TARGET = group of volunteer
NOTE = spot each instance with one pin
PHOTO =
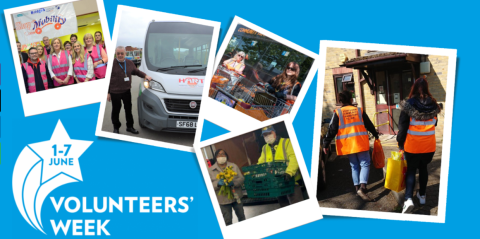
(276, 149)
(55, 64)
(284, 86)
(416, 139)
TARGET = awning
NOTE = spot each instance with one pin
(367, 64)
(382, 58)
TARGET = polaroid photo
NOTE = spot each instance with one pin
(258, 76)
(386, 83)
(257, 180)
(44, 35)
(168, 58)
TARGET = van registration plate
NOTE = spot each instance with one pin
(186, 124)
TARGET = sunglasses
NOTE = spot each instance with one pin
(291, 68)
(240, 56)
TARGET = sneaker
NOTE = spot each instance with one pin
(421, 198)
(408, 206)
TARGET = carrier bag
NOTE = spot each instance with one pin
(396, 171)
(378, 157)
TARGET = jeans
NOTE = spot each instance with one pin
(415, 161)
(117, 99)
(360, 163)
(227, 212)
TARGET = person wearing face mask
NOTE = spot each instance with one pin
(281, 150)
(226, 205)
(349, 125)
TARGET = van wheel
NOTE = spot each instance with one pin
(140, 123)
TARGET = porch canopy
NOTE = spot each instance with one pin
(374, 61)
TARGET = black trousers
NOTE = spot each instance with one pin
(117, 99)
(414, 162)
(227, 212)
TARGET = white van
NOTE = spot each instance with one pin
(175, 55)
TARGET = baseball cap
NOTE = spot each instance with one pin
(267, 129)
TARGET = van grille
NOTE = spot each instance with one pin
(181, 106)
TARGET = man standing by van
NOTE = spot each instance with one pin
(119, 90)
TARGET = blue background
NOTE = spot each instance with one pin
(115, 168)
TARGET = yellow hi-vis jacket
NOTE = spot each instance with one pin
(284, 152)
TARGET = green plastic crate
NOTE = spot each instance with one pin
(267, 181)
(261, 170)
(269, 193)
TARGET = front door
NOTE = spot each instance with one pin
(394, 91)
(393, 86)
(382, 103)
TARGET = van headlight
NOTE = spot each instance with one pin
(154, 85)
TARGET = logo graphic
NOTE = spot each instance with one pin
(193, 104)
(41, 168)
(192, 82)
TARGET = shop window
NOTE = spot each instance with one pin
(344, 82)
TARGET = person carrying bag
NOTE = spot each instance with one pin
(416, 136)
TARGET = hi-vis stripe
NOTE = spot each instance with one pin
(343, 125)
(351, 135)
(99, 57)
(60, 65)
(414, 122)
(85, 66)
(421, 133)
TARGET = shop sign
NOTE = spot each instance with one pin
(56, 21)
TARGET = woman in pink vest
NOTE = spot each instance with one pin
(83, 64)
(98, 55)
(99, 41)
(60, 64)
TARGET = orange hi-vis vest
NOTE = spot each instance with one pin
(352, 136)
(421, 136)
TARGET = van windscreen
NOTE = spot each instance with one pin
(177, 44)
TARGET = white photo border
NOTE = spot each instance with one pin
(47, 100)
(447, 131)
(272, 222)
(232, 119)
(103, 101)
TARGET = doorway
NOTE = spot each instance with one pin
(393, 86)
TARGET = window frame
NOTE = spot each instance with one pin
(344, 85)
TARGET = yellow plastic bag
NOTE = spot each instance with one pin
(378, 157)
(396, 171)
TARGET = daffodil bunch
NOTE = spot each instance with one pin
(227, 175)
